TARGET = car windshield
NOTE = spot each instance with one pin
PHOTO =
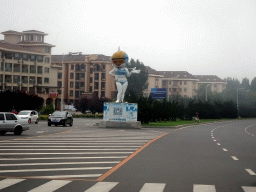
(23, 113)
(59, 113)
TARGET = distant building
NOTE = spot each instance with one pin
(25, 63)
(217, 84)
(85, 75)
(181, 82)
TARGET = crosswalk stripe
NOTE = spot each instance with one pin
(66, 176)
(153, 187)
(249, 189)
(46, 158)
(204, 188)
(67, 149)
(9, 182)
(79, 153)
(250, 172)
(50, 186)
(61, 163)
(102, 187)
(80, 146)
(54, 169)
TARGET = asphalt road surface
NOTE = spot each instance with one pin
(200, 158)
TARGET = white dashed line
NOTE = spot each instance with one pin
(214, 140)
(250, 172)
(234, 158)
(218, 143)
(224, 149)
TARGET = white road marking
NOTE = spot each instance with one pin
(249, 189)
(74, 142)
(224, 149)
(66, 176)
(54, 169)
(102, 187)
(153, 187)
(9, 182)
(66, 163)
(104, 157)
(40, 131)
(250, 172)
(204, 188)
(81, 153)
(67, 149)
(234, 158)
(66, 146)
(218, 143)
(50, 186)
(214, 140)
(213, 137)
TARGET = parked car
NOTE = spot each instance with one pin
(32, 115)
(10, 122)
(60, 118)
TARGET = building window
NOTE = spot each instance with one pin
(40, 58)
(175, 82)
(90, 89)
(77, 94)
(96, 76)
(32, 80)
(72, 67)
(185, 90)
(78, 67)
(77, 76)
(8, 66)
(71, 84)
(16, 68)
(96, 85)
(46, 69)
(103, 76)
(180, 82)
(46, 80)
(39, 80)
(91, 79)
(215, 85)
(59, 92)
(8, 78)
(25, 57)
(32, 57)
(103, 67)
(59, 85)
(2, 66)
(71, 75)
(8, 55)
(91, 70)
(103, 84)
(16, 78)
(71, 93)
(185, 82)
(24, 79)
(82, 84)
(47, 49)
(83, 67)
(59, 75)
(164, 82)
(77, 85)
(16, 56)
(32, 69)
(47, 60)
(39, 69)
(82, 75)
(102, 93)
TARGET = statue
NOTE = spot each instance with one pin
(120, 72)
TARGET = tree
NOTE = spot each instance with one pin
(245, 83)
(136, 82)
(253, 84)
(232, 84)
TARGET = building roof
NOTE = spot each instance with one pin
(9, 46)
(11, 32)
(34, 32)
(35, 43)
(177, 74)
(152, 71)
(103, 58)
(67, 58)
(209, 78)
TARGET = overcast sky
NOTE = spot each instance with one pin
(203, 37)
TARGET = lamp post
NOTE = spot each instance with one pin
(206, 92)
(237, 100)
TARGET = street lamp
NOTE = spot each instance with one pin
(206, 92)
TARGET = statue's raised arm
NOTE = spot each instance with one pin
(120, 72)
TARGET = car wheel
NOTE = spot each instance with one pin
(49, 124)
(36, 121)
(2, 132)
(64, 123)
(71, 124)
(17, 130)
(29, 121)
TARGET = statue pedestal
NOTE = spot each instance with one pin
(120, 115)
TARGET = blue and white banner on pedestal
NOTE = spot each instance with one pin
(120, 111)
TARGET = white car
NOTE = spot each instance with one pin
(32, 115)
(10, 122)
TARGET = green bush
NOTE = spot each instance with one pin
(43, 117)
(48, 109)
(89, 115)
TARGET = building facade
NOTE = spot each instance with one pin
(25, 63)
(84, 75)
(182, 83)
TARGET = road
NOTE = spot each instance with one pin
(200, 158)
